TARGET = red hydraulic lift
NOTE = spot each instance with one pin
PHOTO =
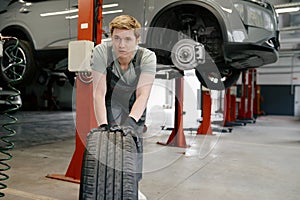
(89, 28)
(250, 85)
(257, 97)
(242, 103)
(177, 137)
(230, 108)
(245, 112)
(205, 126)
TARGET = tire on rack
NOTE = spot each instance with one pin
(18, 61)
(109, 168)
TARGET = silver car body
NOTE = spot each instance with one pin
(237, 34)
(45, 31)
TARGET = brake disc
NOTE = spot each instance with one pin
(187, 54)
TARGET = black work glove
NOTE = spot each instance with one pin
(130, 127)
(130, 121)
(115, 128)
(103, 127)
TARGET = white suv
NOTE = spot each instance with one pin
(236, 34)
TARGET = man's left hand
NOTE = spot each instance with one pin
(130, 127)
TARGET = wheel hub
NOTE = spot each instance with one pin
(187, 54)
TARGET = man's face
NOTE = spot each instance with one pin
(124, 42)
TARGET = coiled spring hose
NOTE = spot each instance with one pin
(5, 137)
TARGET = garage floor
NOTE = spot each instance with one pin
(258, 161)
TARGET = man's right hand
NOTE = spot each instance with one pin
(103, 127)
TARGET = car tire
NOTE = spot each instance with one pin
(109, 167)
(18, 61)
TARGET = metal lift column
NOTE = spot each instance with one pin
(177, 137)
(250, 85)
(242, 104)
(257, 97)
(89, 28)
(230, 108)
(205, 126)
(186, 54)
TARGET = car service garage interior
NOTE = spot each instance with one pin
(218, 118)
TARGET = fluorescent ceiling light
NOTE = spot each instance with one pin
(287, 10)
(111, 12)
(103, 13)
(72, 17)
(76, 10)
(110, 5)
(58, 13)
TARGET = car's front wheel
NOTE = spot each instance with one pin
(17, 64)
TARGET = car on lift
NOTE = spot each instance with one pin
(236, 34)
(43, 30)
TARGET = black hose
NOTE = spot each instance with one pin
(6, 145)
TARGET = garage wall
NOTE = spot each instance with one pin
(277, 100)
(286, 71)
(161, 103)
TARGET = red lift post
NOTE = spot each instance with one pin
(242, 103)
(177, 137)
(205, 126)
(85, 118)
(245, 113)
(230, 108)
(249, 113)
(257, 97)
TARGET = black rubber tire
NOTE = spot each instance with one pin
(109, 168)
(27, 66)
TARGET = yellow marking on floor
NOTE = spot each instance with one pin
(27, 195)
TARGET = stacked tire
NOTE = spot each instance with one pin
(109, 168)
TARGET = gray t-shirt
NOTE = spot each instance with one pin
(99, 63)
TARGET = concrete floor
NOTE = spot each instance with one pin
(258, 161)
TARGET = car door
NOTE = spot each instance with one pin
(73, 18)
(46, 21)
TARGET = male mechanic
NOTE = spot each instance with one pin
(123, 74)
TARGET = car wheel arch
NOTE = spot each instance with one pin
(27, 49)
(204, 5)
(218, 21)
(20, 33)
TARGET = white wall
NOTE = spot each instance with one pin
(286, 71)
(161, 104)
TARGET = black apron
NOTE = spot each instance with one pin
(120, 97)
(119, 94)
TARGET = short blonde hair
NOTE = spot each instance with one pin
(125, 22)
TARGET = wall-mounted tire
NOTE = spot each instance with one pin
(18, 60)
(109, 167)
